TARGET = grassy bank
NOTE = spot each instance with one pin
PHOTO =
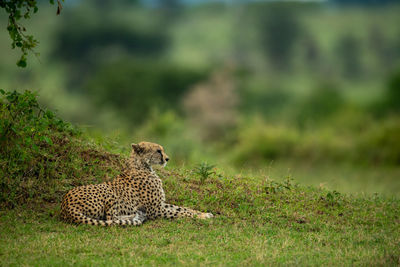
(257, 222)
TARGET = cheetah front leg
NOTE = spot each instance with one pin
(172, 211)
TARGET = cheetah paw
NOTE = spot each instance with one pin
(206, 215)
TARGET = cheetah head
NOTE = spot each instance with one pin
(151, 153)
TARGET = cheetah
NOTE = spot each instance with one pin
(131, 198)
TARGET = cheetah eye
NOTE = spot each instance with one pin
(159, 151)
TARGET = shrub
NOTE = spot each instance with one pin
(380, 144)
(322, 103)
(203, 170)
(393, 92)
(41, 156)
(389, 103)
(258, 142)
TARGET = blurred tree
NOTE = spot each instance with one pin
(93, 37)
(16, 10)
(264, 99)
(312, 54)
(393, 92)
(135, 88)
(76, 41)
(323, 101)
(280, 29)
(378, 44)
(348, 50)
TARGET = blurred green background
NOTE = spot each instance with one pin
(306, 89)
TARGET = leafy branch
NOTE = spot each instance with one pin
(16, 10)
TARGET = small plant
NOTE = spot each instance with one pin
(288, 182)
(204, 170)
(333, 198)
(273, 187)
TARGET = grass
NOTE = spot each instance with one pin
(343, 177)
(258, 222)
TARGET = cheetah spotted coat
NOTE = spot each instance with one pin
(131, 198)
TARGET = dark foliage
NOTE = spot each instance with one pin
(135, 87)
(323, 102)
(280, 29)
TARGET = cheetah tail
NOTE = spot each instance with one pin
(81, 218)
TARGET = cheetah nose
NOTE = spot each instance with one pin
(166, 159)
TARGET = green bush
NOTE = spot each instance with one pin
(393, 92)
(41, 156)
(324, 101)
(374, 142)
(389, 103)
(258, 142)
(381, 144)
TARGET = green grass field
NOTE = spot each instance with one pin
(346, 178)
(257, 222)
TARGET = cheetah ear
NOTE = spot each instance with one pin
(137, 148)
